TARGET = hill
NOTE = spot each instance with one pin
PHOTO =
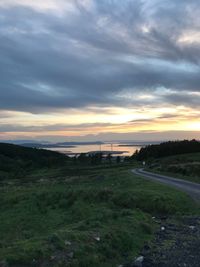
(78, 214)
(16, 160)
(186, 166)
(167, 149)
(102, 218)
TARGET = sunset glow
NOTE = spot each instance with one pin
(72, 69)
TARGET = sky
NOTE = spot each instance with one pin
(99, 70)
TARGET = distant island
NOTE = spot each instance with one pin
(59, 145)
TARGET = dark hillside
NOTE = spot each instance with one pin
(16, 160)
(167, 149)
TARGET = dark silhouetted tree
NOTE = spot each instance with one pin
(118, 159)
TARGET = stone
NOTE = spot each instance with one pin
(138, 261)
(97, 238)
(67, 243)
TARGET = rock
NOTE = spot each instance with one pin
(67, 243)
(97, 238)
(53, 257)
(177, 244)
(138, 262)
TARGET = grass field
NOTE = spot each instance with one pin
(186, 166)
(83, 217)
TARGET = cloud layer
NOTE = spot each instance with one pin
(75, 54)
(76, 67)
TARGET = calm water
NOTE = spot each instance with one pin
(128, 150)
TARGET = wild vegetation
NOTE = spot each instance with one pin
(19, 161)
(167, 149)
(16, 161)
(79, 214)
(186, 166)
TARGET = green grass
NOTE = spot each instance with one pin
(186, 166)
(90, 217)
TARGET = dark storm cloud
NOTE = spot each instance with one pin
(98, 53)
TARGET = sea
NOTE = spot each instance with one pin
(114, 148)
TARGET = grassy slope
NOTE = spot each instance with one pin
(58, 221)
(185, 166)
(16, 161)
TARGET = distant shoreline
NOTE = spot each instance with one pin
(139, 145)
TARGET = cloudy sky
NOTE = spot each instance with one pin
(71, 69)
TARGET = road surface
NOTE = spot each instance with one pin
(193, 189)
